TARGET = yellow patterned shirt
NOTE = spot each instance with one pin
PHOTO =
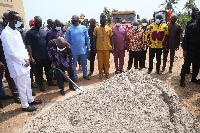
(157, 35)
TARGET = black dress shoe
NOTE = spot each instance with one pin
(34, 85)
(182, 84)
(195, 81)
(36, 102)
(29, 109)
(33, 93)
(6, 97)
(90, 74)
(140, 68)
(1, 105)
(17, 100)
(42, 89)
(158, 72)
(52, 84)
(72, 89)
(149, 72)
(86, 77)
(62, 92)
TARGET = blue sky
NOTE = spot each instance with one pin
(64, 9)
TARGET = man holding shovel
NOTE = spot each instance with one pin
(60, 54)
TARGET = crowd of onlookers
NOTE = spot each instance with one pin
(26, 53)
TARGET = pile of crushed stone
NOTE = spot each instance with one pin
(128, 102)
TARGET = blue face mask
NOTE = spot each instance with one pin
(18, 24)
(58, 28)
(158, 21)
(135, 27)
(74, 21)
(21, 30)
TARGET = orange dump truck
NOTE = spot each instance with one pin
(128, 17)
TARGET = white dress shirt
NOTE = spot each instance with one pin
(15, 52)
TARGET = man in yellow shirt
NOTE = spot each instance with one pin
(102, 45)
(158, 36)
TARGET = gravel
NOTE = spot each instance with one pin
(127, 102)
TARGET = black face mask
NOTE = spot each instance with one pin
(173, 22)
(38, 25)
(194, 16)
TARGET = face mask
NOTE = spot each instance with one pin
(193, 16)
(63, 27)
(18, 24)
(61, 49)
(38, 25)
(21, 30)
(118, 24)
(74, 21)
(173, 22)
(144, 24)
(58, 28)
(158, 21)
(135, 27)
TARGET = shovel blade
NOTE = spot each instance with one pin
(80, 89)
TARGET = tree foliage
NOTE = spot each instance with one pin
(183, 18)
(189, 5)
(168, 5)
(68, 24)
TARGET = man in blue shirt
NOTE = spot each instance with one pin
(77, 36)
(36, 41)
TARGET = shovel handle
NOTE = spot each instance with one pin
(68, 78)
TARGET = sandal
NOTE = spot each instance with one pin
(100, 76)
(107, 76)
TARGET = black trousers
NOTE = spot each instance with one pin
(59, 77)
(11, 84)
(92, 59)
(192, 56)
(142, 58)
(152, 52)
(165, 54)
(135, 55)
(39, 71)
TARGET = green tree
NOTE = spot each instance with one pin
(189, 5)
(168, 5)
(68, 24)
(183, 18)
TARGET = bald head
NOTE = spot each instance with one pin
(60, 41)
(159, 16)
(173, 18)
(135, 23)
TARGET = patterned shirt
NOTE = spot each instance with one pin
(158, 35)
(136, 39)
(61, 58)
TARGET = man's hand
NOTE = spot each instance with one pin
(184, 54)
(27, 63)
(32, 60)
(88, 52)
(66, 73)
(2, 65)
(53, 64)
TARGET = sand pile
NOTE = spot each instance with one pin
(129, 102)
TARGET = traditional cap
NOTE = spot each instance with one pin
(31, 22)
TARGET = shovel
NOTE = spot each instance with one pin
(79, 89)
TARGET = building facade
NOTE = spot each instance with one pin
(12, 5)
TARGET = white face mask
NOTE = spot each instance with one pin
(118, 24)
(58, 28)
(61, 49)
(19, 23)
(144, 24)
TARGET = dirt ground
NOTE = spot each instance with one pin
(12, 118)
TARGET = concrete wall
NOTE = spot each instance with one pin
(13, 5)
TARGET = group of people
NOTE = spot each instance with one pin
(57, 47)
